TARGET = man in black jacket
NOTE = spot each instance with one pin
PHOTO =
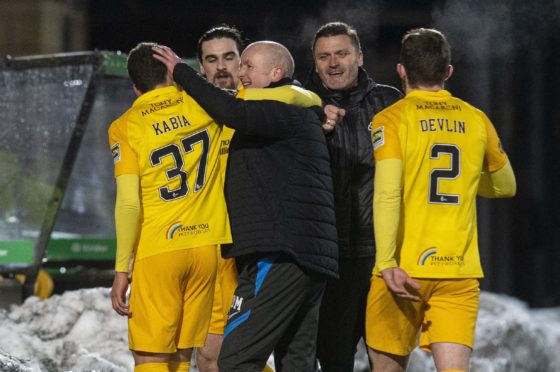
(281, 207)
(351, 98)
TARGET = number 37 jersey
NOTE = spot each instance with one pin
(444, 144)
(173, 145)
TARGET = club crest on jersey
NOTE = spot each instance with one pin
(116, 152)
(378, 138)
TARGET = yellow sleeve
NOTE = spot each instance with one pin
(385, 135)
(386, 211)
(124, 157)
(495, 157)
(127, 219)
(289, 94)
(498, 184)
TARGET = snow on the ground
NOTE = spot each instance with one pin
(75, 331)
(79, 331)
(509, 337)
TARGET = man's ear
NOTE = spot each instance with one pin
(202, 71)
(360, 59)
(448, 73)
(401, 71)
(137, 91)
(277, 74)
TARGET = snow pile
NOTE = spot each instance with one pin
(509, 337)
(79, 331)
(76, 331)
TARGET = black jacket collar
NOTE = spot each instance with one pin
(282, 82)
(352, 95)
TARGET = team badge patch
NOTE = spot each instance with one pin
(377, 138)
(116, 152)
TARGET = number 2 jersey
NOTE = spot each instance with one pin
(173, 145)
(444, 144)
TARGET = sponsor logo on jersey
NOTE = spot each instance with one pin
(377, 138)
(116, 152)
(160, 105)
(425, 254)
(430, 257)
(178, 230)
(224, 147)
(438, 105)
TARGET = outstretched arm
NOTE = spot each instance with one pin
(220, 105)
(258, 118)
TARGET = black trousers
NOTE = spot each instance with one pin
(342, 315)
(275, 308)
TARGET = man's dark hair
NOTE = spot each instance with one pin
(144, 70)
(219, 32)
(425, 54)
(335, 29)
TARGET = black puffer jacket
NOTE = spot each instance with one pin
(278, 187)
(352, 159)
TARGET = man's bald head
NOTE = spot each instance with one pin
(265, 62)
(277, 55)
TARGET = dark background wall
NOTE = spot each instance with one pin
(506, 58)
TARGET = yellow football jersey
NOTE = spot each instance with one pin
(174, 146)
(444, 144)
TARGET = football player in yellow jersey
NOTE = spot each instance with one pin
(170, 214)
(218, 52)
(433, 153)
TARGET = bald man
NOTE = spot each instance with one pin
(281, 207)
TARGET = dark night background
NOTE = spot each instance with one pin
(505, 55)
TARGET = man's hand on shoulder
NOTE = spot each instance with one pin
(401, 284)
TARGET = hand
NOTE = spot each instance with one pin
(333, 116)
(401, 284)
(118, 293)
(166, 56)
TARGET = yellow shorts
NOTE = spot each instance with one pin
(226, 282)
(447, 314)
(171, 300)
